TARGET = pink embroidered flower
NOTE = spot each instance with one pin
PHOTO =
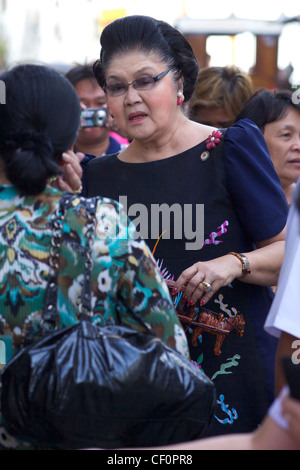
(213, 139)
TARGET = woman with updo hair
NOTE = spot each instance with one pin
(207, 201)
(38, 126)
(33, 135)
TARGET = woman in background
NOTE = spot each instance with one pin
(278, 118)
(220, 95)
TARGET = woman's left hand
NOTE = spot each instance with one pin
(203, 279)
(70, 181)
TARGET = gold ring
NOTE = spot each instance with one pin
(206, 286)
(78, 191)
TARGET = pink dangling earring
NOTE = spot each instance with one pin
(179, 98)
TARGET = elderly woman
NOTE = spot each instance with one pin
(278, 118)
(209, 204)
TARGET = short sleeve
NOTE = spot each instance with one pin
(253, 182)
(284, 313)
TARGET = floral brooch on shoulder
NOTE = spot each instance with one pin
(213, 139)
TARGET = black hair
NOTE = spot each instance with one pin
(80, 72)
(39, 121)
(148, 34)
(266, 106)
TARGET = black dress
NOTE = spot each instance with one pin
(206, 203)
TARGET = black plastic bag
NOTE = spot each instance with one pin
(105, 387)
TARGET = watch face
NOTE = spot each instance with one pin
(246, 264)
(244, 260)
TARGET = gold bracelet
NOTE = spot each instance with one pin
(244, 260)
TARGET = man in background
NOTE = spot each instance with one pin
(94, 141)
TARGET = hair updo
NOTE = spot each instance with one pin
(39, 121)
(148, 34)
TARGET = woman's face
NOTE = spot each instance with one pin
(283, 141)
(142, 114)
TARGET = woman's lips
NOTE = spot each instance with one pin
(135, 117)
(295, 161)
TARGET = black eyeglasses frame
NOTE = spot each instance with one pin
(155, 79)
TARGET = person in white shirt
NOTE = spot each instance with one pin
(283, 318)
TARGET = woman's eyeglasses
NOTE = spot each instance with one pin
(143, 83)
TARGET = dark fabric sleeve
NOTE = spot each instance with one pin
(253, 182)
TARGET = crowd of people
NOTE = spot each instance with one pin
(204, 180)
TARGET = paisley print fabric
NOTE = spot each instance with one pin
(125, 276)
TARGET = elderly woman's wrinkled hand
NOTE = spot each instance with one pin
(203, 279)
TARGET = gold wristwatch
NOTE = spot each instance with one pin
(244, 260)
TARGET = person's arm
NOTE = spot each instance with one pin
(283, 317)
(259, 201)
(274, 433)
(266, 261)
(269, 436)
(265, 264)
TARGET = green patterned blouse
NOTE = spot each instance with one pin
(124, 273)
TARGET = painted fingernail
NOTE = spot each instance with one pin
(190, 302)
(185, 299)
(202, 302)
(174, 291)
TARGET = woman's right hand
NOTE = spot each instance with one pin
(196, 280)
(70, 180)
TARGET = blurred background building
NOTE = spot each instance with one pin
(261, 37)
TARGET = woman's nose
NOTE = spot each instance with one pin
(296, 143)
(132, 95)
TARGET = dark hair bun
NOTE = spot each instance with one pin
(39, 122)
(28, 160)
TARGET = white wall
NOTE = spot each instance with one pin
(66, 31)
